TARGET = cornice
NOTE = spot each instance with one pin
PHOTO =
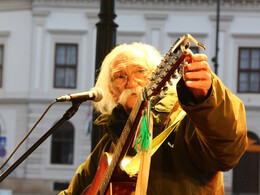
(40, 13)
(4, 101)
(65, 31)
(252, 108)
(156, 16)
(169, 5)
(66, 3)
(4, 33)
(224, 18)
(179, 34)
(8, 5)
(246, 35)
(181, 5)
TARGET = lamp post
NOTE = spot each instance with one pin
(106, 41)
(215, 59)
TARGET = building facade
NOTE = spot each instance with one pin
(47, 49)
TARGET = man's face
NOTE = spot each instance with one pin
(127, 82)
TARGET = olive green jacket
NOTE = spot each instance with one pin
(209, 139)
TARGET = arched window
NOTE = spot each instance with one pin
(62, 144)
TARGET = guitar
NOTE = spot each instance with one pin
(109, 164)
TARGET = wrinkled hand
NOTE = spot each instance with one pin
(197, 75)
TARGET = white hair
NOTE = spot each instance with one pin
(146, 54)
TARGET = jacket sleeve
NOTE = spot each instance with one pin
(216, 134)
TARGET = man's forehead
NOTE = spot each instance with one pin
(129, 63)
(129, 67)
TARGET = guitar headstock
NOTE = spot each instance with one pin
(171, 62)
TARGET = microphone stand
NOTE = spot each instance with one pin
(69, 113)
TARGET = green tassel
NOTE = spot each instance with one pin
(142, 141)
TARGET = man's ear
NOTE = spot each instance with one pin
(111, 91)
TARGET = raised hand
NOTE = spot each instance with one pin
(197, 75)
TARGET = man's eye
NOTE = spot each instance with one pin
(120, 77)
(141, 71)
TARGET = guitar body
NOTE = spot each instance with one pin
(120, 182)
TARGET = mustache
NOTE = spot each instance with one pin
(127, 93)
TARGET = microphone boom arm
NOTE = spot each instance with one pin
(69, 113)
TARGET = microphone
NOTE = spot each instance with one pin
(95, 94)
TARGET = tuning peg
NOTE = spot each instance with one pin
(170, 82)
(175, 75)
(161, 95)
(165, 88)
(185, 63)
(162, 91)
(180, 69)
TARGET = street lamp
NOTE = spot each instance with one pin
(215, 59)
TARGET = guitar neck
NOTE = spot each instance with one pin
(123, 143)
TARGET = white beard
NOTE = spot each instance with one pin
(127, 93)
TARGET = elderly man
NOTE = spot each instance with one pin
(205, 121)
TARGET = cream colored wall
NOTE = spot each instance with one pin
(29, 35)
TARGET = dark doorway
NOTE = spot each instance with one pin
(246, 173)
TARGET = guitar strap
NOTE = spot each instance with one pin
(144, 168)
(136, 164)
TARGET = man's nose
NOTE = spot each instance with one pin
(131, 83)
